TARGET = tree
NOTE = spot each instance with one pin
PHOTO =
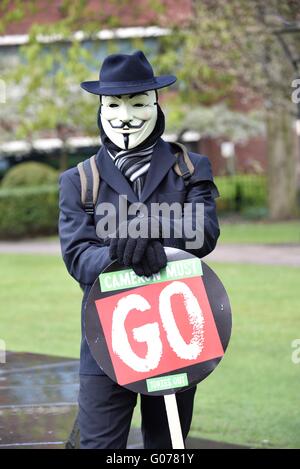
(229, 50)
(44, 95)
(225, 52)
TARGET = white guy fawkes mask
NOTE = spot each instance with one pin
(129, 119)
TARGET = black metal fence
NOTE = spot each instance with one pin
(241, 192)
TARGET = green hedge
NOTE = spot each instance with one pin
(26, 212)
(30, 173)
(241, 192)
(33, 211)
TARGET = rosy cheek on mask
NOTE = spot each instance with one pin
(144, 114)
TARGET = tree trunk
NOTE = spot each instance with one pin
(63, 159)
(283, 161)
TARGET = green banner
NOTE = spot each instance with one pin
(167, 382)
(122, 279)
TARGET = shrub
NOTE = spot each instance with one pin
(30, 173)
(33, 211)
(28, 211)
(241, 191)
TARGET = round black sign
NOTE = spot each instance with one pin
(218, 312)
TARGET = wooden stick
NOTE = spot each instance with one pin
(174, 422)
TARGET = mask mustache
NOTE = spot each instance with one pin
(127, 124)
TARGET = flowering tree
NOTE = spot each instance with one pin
(224, 52)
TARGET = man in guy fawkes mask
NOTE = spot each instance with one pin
(134, 161)
(130, 126)
(129, 120)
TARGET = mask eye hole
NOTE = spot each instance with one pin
(113, 105)
(138, 105)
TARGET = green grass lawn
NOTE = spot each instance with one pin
(253, 396)
(260, 232)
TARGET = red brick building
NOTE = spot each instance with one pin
(148, 23)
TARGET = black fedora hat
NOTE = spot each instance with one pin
(126, 74)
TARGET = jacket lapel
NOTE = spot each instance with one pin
(162, 160)
(112, 176)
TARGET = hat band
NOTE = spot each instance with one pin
(112, 84)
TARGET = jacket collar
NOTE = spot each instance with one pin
(162, 160)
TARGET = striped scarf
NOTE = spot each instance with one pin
(134, 165)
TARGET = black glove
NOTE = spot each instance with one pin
(153, 260)
(129, 251)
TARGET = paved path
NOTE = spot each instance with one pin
(30, 247)
(285, 254)
(288, 255)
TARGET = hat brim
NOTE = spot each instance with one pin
(113, 89)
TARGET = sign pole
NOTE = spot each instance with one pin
(174, 422)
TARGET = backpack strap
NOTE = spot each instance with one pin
(90, 177)
(183, 166)
(90, 182)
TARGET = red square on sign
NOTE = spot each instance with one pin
(159, 328)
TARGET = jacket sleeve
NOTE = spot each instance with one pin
(199, 213)
(84, 255)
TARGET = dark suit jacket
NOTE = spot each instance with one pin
(86, 255)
